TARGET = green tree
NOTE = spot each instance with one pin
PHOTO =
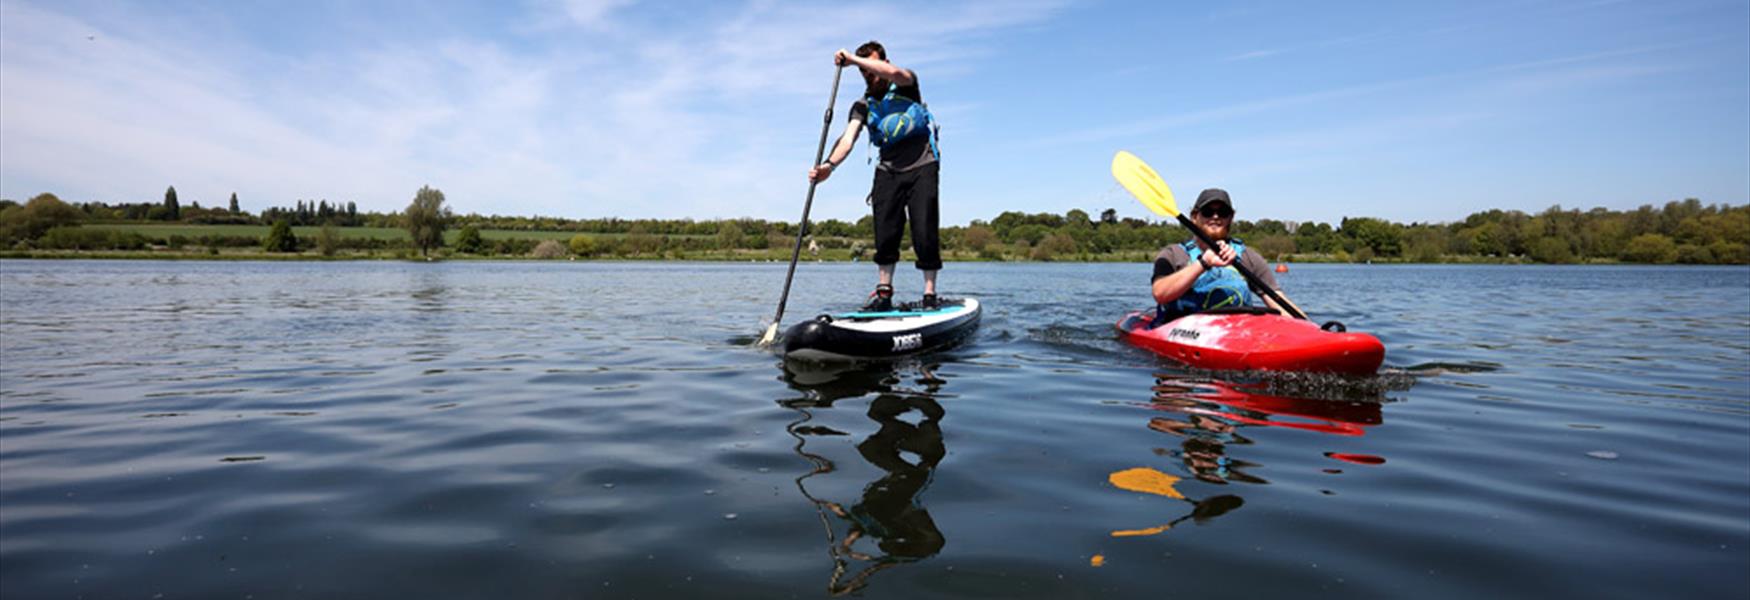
(234, 209)
(1379, 235)
(1694, 255)
(468, 241)
(582, 245)
(1272, 246)
(1552, 250)
(327, 240)
(280, 238)
(1054, 246)
(1423, 244)
(977, 237)
(729, 235)
(35, 217)
(172, 209)
(426, 218)
(1650, 248)
(1077, 218)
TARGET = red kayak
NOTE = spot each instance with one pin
(1254, 339)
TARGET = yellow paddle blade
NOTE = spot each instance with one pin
(1147, 481)
(770, 335)
(1138, 532)
(1144, 183)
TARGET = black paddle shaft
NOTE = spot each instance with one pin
(1250, 278)
(802, 228)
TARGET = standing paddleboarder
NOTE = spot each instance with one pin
(906, 180)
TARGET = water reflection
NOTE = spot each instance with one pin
(1210, 416)
(1150, 481)
(1213, 412)
(887, 525)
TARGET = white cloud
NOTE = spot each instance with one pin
(708, 119)
(592, 13)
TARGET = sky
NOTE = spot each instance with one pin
(1421, 111)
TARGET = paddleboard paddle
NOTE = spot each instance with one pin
(771, 334)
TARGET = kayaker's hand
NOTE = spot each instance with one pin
(841, 58)
(820, 172)
(1223, 256)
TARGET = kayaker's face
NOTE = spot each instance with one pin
(1214, 218)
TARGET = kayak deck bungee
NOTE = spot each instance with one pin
(1254, 339)
(905, 330)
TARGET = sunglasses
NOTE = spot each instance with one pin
(1210, 212)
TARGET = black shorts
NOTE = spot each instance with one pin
(897, 196)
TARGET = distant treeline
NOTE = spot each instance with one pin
(1679, 232)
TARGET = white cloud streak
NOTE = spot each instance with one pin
(716, 119)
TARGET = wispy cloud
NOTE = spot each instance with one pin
(1547, 74)
(707, 118)
(592, 13)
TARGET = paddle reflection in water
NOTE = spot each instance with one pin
(1214, 412)
(888, 525)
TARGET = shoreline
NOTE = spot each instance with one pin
(1134, 257)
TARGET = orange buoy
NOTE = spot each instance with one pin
(1281, 267)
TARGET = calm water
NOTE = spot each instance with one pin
(601, 430)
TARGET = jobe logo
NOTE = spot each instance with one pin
(910, 341)
(1181, 333)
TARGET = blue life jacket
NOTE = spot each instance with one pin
(1215, 288)
(894, 117)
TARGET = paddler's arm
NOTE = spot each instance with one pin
(881, 68)
(1169, 287)
(840, 150)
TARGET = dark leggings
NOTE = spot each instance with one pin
(897, 195)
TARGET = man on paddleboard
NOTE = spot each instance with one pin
(1191, 277)
(893, 111)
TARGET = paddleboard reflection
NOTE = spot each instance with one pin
(885, 525)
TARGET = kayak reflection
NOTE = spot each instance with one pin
(1211, 415)
(1215, 411)
(887, 525)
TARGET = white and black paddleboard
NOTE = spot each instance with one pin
(873, 335)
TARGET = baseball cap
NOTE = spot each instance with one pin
(1212, 195)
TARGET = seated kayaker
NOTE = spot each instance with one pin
(1191, 277)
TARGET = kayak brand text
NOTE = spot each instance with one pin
(910, 341)
(1180, 332)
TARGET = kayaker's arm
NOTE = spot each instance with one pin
(1171, 286)
(1168, 288)
(840, 150)
(880, 68)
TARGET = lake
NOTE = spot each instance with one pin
(605, 430)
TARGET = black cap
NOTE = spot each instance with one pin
(1212, 195)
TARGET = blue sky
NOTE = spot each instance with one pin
(1305, 111)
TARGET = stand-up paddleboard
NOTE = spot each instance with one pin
(1254, 339)
(874, 335)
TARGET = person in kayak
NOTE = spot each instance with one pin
(1191, 277)
(905, 187)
